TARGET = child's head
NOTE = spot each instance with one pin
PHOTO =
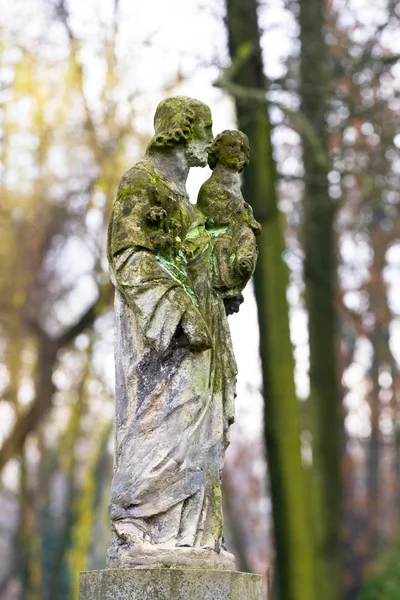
(230, 149)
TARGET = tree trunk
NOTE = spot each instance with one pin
(320, 280)
(294, 567)
(382, 360)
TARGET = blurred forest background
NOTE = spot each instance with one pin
(315, 84)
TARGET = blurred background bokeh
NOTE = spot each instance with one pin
(312, 476)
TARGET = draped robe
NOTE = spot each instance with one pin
(174, 403)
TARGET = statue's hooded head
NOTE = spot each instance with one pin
(187, 122)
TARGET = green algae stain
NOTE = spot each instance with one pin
(195, 232)
(126, 193)
(217, 230)
(178, 274)
(213, 262)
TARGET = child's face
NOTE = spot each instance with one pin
(234, 152)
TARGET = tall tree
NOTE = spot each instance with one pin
(294, 564)
(320, 272)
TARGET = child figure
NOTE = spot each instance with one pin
(229, 219)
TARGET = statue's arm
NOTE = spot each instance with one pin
(161, 305)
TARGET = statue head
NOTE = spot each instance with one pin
(183, 121)
(231, 149)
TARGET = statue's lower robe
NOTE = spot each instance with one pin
(173, 410)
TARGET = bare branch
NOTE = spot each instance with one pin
(45, 387)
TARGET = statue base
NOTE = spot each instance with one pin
(156, 557)
(169, 584)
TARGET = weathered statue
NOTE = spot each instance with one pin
(175, 269)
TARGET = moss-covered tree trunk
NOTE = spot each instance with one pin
(294, 565)
(320, 279)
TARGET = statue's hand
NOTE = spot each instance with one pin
(196, 330)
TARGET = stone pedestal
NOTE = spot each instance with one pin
(169, 584)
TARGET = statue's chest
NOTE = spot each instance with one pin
(174, 210)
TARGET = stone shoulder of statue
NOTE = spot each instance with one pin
(228, 218)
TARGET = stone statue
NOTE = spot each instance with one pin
(178, 269)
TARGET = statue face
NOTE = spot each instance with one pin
(197, 148)
(234, 151)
